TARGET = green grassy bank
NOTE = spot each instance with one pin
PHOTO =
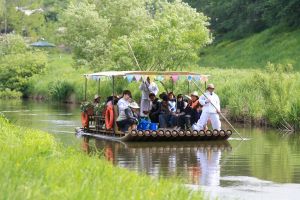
(267, 96)
(34, 166)
(277, 45)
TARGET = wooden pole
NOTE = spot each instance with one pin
(136, 61)
(98, 92)
(5, 17)
(113, 99)
(85, 88)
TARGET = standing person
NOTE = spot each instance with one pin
(211, 109)
(147, 87)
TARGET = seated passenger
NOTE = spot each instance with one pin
(155, 108)
(181, 104)
(131, 119)
(164, 112)
(172, 102)
(96, 100)
(123, 104)
(189, 111)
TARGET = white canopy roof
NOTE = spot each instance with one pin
(143, 73)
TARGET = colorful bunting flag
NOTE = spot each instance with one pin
(204, 79)
(137, 77)
(174, 78)
(159, 78)
(197, 78)
(189, 78)
(129, 78)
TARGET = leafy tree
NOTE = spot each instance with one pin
(163, 35)
(240, 18)
(17, 64)
(87, 33)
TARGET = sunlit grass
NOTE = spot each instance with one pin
(34, 166)
(277, 45)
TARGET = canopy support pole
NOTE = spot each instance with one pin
(85, 88)
(188, 87)
(113, 101)
(98, 92)
(172, 84)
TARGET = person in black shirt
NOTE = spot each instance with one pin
(155, 108)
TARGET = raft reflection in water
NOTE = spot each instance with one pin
(194, 162)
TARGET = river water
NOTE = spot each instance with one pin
(264, 166)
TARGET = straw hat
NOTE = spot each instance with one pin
(195, 93)
(96, 97)
(133, 105)
(211, 86)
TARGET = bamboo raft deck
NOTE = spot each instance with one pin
(159, 135)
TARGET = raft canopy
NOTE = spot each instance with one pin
(138, 75)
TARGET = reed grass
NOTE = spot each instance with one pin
(34, 166)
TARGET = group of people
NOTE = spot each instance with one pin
(181, 112)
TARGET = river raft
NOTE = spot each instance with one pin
(96, 126)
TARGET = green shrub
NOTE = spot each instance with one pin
(60, 90)
(10, 94)
(12, 44)
(17, 64)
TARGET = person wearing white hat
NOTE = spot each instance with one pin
(147, 87)
(129, 118)
(211, 109)
(191, 113)
(96, 100)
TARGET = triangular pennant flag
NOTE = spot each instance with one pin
(174, 78)
(189, 78)
(166, 77)
(204, 79)
(137, 77)
(144, 78)
(129, 78)
(159, 78)
(197, 78)
(152, 77)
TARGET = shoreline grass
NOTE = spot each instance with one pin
(34, 166)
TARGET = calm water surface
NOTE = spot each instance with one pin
(264, 166)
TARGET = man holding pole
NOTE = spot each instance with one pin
(211, 109)
(147, 87)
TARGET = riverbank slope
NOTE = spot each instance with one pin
(34, 166)
(278, 45)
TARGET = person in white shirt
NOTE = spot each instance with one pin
(210, 110)
(146, 87)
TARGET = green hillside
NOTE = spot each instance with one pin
(276, 45)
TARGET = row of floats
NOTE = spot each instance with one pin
(182, 134)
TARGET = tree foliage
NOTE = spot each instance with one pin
(163, 35)
(17, 64)
(239, 18)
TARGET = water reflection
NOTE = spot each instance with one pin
(195, 162)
